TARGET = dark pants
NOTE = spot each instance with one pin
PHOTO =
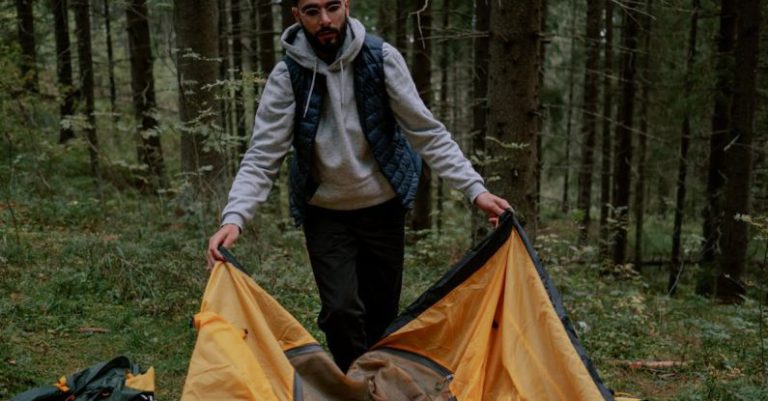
(357, 260)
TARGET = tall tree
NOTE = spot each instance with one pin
(445, 113)
(685, 143)
(565, 204)
(513, 99)
(63, 68)
(607, 131)
(386, 20)
(237, 74)
(25, 21)
(642, 140)
(623, 162)
(266, 36)
(401, 26)
(110, 62)
(718, 140)
(224, 55)
(422, 77)
(286, 13)
(197, 30)
(589, 115)
(82, 9)
(738, 166)
(148, 147)
(481, 47)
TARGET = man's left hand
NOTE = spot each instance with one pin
(492, 206)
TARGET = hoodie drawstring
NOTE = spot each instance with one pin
(341, 62)
(311, 88)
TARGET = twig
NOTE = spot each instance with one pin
(418, 22)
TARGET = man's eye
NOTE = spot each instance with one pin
(334, 8)
(312, 12)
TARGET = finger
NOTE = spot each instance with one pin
(228, 241)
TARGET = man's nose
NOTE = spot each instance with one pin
(325, 17)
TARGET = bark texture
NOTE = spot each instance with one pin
(148, 147)
(63, 68)
(422, 76)
(82, 9)
(606, 155)
(589, 116)
(513, 99)
(197, 31)
(738, 167)
(25, 21)
(685, 144)
(622, 169)
(721, 123)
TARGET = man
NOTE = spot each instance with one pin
(347, 104)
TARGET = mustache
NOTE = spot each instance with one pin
(327, 30)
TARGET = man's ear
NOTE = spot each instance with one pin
(295, 12)
(346, 4)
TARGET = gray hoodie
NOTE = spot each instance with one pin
(344, 166)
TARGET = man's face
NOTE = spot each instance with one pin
(324, 22)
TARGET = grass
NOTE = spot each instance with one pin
(132, 266)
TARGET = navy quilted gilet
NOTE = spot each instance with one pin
(398, 162)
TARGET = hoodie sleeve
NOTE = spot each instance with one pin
(270, 142)
(427, 135)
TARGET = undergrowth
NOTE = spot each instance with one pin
(86, 275)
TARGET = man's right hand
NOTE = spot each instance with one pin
(226, 236)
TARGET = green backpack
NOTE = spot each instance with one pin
(116, 380)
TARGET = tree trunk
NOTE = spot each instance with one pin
(539, 122)
(623, 162)
(685, 141)
(444, 104)
(237, 75)
(26, 30)
(642, 145)
(82, 9)
(63, 68)
(738, 167)
(564, 205)
(197, 31)
(286, 13)
(401, 27)
(224, 54)
(607, 129)
(721, 123)
(110, 64)
(589, 116)
(480, 102)
(422, 76)
(385, 20)
(266, 36)
(513, 98)
(148, 147)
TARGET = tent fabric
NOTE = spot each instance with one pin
(492, 328)
(114, 380)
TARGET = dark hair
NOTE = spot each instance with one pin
(295, 3)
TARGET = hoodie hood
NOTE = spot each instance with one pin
(297, 46)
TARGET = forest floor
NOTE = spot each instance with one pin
(86, 277)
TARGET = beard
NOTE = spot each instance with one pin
(331, 46)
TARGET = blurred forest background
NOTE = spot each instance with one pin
(629, 135)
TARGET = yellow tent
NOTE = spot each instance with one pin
(492, 328)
